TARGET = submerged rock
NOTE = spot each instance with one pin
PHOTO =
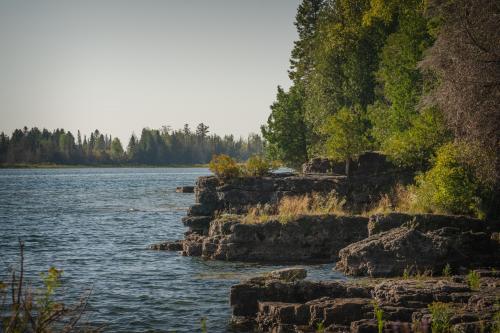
(168, 246)
(185, 189)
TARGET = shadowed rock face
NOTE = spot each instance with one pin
(185, 189)
(368, 163)
(272, 305)
(420, 243)
(236, 195)
(306, 239)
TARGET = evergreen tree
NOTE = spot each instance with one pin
(286, 131)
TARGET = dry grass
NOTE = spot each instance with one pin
(400, 199)
(288, 208)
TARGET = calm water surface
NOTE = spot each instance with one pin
(96, 225)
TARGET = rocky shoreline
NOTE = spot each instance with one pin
(270, 304)
(382, 248)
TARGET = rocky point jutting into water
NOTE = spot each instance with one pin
(382, 245)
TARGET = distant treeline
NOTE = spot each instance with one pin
(153, 147)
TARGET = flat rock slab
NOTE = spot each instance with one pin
(270, 305)
(288, 274)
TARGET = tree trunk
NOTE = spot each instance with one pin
(347, 162)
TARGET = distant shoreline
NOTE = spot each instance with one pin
(80, 166)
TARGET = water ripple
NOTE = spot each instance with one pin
(96, 224)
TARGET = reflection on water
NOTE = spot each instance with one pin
(96, 224)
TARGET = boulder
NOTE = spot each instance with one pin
(185, 189)
(168, 246)
(422, 243)
(198, 224)
(319, 165)
(368, 163)
(372, 163)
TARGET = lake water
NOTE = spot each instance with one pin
(96, 225)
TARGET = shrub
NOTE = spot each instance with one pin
(447, 270)
(224, 167)
(451, 185)
(28, 310)
(259, 166)
(473, 280)
(413, 147)
(441, 314)
(379, 314)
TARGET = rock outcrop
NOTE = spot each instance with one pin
(305, 239)
(237, 195)
(185, 189)
(320, 165)
(418, 243)
(272, 305)
(368, 163)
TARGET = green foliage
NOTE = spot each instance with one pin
(320, 328)
(441, 314)
(379, 315)
(346, 135)
(447, 270)
(286, 132)
(474, 280)
(415, 146)
(224, 167)
(451, 185)
(28, 310)
(258, 166)
(496, 322)
(153, 147)
(117, 153)
(51, 281)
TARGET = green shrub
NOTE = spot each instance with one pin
(414, 146)
(379, 315)
(450, 186)
(259, 166)
(224, 167)
(38, 310)
(447, 270)
(441, 314)
(473, 280)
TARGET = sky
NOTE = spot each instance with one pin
(121, 65)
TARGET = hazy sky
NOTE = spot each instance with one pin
(120, 65)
